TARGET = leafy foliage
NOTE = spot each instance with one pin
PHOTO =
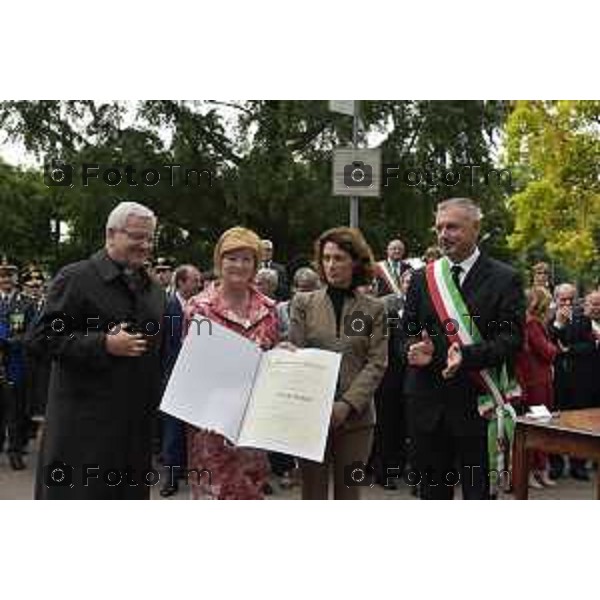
(272, 166)
(556, 147)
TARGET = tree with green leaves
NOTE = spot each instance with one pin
(272, 165)
(554, 147)
(25, 216)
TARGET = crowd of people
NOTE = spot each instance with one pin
(82, 374)
(558, 365)
(23, 375)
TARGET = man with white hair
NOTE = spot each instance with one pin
(388, 272)
(266, 281)
(465, 313)
(576, 377)
(102, 328)
(282, 291)
(305, 280)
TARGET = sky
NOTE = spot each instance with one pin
(14, 152)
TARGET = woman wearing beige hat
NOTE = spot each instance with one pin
(234, 302)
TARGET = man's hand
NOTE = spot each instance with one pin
(420, 354)
(339, 414)
(453, 361)
(125, 344)
(564, 314)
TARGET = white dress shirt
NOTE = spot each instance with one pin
(182, 300)
(466, 265)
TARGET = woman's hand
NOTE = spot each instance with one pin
(453, 362)
(339, 414)
(286, 346)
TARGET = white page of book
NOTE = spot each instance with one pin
(290, 408)
(212, 379)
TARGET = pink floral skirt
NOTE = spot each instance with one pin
(225, 472)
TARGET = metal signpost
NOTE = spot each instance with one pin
(356, 172)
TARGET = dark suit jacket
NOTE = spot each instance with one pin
(580, 366)
(37, 368)
(394, 307)
(173, 334)
(494, 296)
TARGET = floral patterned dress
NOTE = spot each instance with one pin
(235, 473)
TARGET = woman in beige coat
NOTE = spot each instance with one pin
(339, 318)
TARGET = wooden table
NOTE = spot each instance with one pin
(572, 432)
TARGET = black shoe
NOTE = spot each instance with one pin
(557, 466)
(555, 473)
(169, 490)
(16, 462)
(580, 474)
(267, 489)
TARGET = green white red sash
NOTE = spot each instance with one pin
(389, 276)
(459, 326)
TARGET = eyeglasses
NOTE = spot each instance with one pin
(139, 236)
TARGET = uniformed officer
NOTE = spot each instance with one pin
(15, 315)
(37, 371)
(163, 272)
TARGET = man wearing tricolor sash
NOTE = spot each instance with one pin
(388, 272)
(464, 315)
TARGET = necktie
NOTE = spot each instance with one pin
(456, 271)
